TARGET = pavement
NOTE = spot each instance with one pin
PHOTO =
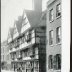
(6, 71)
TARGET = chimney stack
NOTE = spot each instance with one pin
(37, 5)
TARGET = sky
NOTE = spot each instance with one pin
(10, 10)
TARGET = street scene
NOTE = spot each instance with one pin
(33, 42)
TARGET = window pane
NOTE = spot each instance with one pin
(58, 13)
(54, 62)
(51, 37)
(51, 15)
(50, 62)
(58, 34)
(59, 8)
(58, 60)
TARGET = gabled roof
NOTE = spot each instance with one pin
(33, 17)
(19, 24)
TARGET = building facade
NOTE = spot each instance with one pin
(29, 51)
(35, 39)
(4, 55)
(53, 33)
(27, 40)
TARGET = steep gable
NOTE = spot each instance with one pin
(25, 23)
(31, 19)
(15, 33)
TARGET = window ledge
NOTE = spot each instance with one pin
(58, 17)
(51, 69)
(59, 70)
(51, 21)
(51, 45)
(58, 44)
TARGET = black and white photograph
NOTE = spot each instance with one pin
(33, 33)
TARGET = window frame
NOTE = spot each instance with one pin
(56, 62)
(50, 61)
(58, 59)
(58, 36)
(51, 15)
(50, 38)
(57, 10)
(29, 36)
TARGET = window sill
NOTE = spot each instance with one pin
(55, 69)
(58, 17)
(51, 21)
(51, 45)
(59, 70)
(58, 43)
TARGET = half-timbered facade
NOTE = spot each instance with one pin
(28, 44)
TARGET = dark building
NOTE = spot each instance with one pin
(53, 33)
